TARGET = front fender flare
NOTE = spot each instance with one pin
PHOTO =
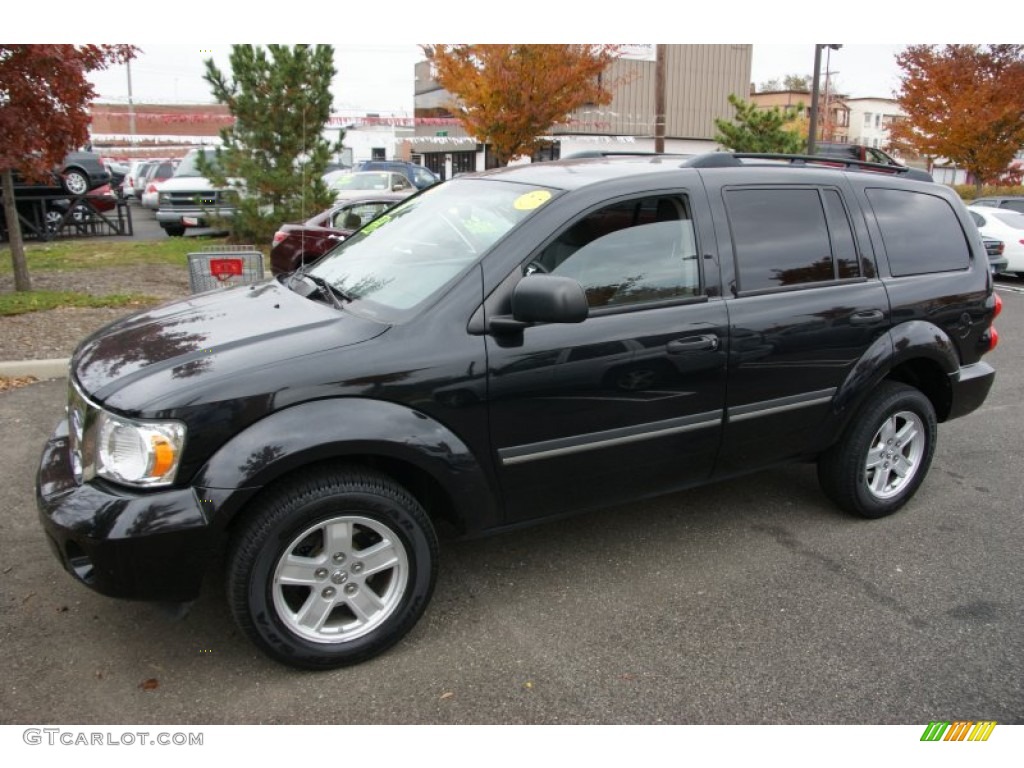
(347, 427)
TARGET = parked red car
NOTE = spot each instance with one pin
(297, 244)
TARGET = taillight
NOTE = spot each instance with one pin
(993, 338)
(999, 306)
(279, 236)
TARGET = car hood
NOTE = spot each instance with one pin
(161, 358)
(188, 184)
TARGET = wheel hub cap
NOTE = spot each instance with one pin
(374, 585)
(894, 455)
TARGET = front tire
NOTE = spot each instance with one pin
(76, 182)
(332, 568)
(884, 454)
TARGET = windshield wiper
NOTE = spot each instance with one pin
(326, 289)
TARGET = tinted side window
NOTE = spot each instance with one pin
(921, 232)
(1014, 205)
(629, 253)
(780, 237)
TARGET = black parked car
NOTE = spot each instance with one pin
(1012, 202)
(421, 176)
(512, 346)
(79, 173)
(994, 248)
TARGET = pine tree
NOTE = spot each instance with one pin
(276, 152)
(760, 130)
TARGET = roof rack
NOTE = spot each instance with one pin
(591, 153)
(735, 160)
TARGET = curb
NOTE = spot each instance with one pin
(54, 368)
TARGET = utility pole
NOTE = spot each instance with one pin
(659, 98)
(812, 133)
(131, 106)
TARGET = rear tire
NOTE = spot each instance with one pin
(174, 230)
(883, 456)
(332, 568)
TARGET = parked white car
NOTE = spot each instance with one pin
(1006, 225)
(358, 184)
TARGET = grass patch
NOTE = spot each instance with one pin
(20, 302)
(86, 254)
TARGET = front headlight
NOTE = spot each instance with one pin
(163, 198)
(144, 454)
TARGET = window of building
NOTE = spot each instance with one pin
(377, 153)
(629, 253)
(867, 119)
(790, 236)
(463, 162)
(921, 232)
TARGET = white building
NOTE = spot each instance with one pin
(870, 119)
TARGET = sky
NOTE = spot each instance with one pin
(377, 45)
(378, 77)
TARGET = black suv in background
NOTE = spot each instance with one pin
(513, 346)
(79, 173)
(1010, 202)
(421, 176)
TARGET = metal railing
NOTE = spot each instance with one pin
(49, 217)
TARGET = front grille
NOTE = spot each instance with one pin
(208, 199)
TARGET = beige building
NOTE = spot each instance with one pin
(834, 114)
(698, 82)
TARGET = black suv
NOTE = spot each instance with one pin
(79, 173)
(421, 176)
(511, 346)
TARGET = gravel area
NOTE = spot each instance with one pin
(56, 332)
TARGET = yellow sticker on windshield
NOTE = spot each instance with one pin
(531, 200)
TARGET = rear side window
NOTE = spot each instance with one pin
(1014, 205)
(921, 232)
(787, 237)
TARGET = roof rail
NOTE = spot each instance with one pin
(735, 160)
(591, 153)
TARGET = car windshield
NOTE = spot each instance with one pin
(190, 164)
(1011, 219)
(404, 257)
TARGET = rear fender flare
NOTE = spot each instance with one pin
(908, 341)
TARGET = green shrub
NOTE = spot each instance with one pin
(967, 192)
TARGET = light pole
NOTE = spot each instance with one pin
(812, 133)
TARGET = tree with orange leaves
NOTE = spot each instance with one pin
(44, 114)
(511, 95)
(964, 103)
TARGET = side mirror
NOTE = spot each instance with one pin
(544, 299)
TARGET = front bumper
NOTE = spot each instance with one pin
(192, 217)
(151, 545)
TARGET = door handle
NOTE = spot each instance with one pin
(707, 342)
(868, 317)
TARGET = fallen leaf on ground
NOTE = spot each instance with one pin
(447, 695)
(149, 685)
(13, 382)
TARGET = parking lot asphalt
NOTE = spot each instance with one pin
(748, 601)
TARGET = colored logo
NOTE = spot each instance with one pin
(959, 730)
